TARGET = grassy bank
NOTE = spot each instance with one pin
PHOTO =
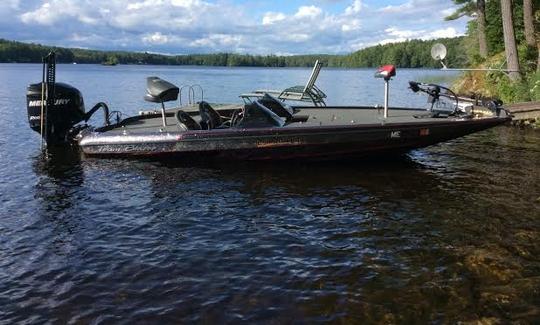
(497, 84)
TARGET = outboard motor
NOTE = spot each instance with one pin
(66, 110)
(53, 108)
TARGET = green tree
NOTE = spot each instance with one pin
(510, 47)
(471, 8)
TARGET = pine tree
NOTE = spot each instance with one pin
(471, 8)
(510, 40)
(528, 22)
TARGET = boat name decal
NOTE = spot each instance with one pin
(125, 148)
(395, 134)
(424, 131)
(278, 142)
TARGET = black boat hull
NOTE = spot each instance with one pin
(321, 143)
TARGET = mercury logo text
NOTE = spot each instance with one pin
(60, 101)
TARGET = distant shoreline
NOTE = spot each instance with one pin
(209, 66)
(408, 54)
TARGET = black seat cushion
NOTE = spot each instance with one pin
(160, 91)
(210, 119)
(186, 121)
(257, 115)
(277, 106)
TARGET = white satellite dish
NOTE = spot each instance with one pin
(438, 51)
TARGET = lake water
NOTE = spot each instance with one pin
(445, 234)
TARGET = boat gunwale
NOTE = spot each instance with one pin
(171, 111)
(101, 138)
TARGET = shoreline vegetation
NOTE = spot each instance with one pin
(502, 35)
(408, 54)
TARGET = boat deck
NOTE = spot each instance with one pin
(305, 117)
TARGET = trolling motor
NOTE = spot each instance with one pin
(386, 72)
(435, 92)
(54, 108)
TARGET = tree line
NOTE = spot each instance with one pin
(408, 54)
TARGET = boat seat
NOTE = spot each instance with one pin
(160, 91)
(210, 119)
(257, 115)
(185, 121)
(277, 106)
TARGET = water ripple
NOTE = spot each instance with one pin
(446, 234)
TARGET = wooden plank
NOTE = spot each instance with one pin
(523, 107)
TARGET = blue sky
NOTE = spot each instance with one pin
(242, 26)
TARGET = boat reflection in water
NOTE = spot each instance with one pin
(415, 237)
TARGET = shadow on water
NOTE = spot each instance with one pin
(385, 179)
(59, 163)
(406, 238)
(60, 175)
(429, 230)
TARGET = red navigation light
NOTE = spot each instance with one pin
(386, 71)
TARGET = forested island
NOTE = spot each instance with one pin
(408, 54)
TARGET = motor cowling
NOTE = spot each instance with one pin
(63, 112)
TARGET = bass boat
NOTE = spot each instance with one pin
(263, 127)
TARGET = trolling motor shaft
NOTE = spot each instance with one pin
(386, 72)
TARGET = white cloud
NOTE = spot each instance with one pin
(54, 11)
(448, 11)
(395, 9)
(188, 3)
(216, 40)
(351, 25)
(445, 32)
(397, 35)
(354, 8)
(139, 5)
(308, 12)
(272, 17)
(184, 26)
(393, 31)
(297, 37)
(41, 16)
(155, 38)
